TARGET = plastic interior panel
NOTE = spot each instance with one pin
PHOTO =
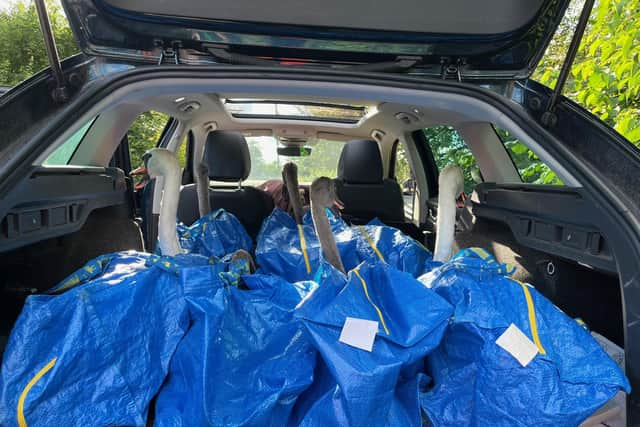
(57, 201)
(555, 220)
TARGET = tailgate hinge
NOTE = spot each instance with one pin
(451, 68)
(169, 54)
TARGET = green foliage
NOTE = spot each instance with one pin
(144, 134)
(323, 161)
(605, 77)
(261, 169)
(450, 149)
(22, 51)
(403, 168)
(530, 167)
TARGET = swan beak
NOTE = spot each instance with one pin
(140, 170)
(338, 204)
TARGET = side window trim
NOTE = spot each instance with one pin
(427, 161)
(392, 160)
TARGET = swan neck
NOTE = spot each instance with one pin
(167, 230)
(325, 236)
(293, 190)
(202, 189)
(445, 225)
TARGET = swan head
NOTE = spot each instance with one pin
(323, 192)
(160, 162)
(289, 171)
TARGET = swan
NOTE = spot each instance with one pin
(162, 162)
(290, 179)
(214, 234)
(491, 309)
(450, 186)
(401, 321)
(288, 246)
(95, 324)
(375, 240)
(243, 348)
(202, 188)
(322, 196)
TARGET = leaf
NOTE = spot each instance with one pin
(633, 135)
(519, 148)
(597, 81)
(627, 43)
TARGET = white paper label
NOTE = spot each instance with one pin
(359, 333)
(514, 341)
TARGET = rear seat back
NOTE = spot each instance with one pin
(362, 187)
(227, 157)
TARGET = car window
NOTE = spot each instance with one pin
(531, 169)
(604, 78)
(449, 148)
(401, 169)
(182, 150)
(267, 164)
(62, 154)
(404, 177)
(144, 134)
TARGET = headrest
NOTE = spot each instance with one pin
(360, 162)
(226, 154)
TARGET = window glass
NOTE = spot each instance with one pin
(267, 164)
(449, 148)
(182, 150)
(246, 108)
(402, 169)
(605, 77)
(531, 169)
(404, 177)
(144, 134)
(62, 154)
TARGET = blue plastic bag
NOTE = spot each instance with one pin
(477, 382)
(293, 251)
(377, 241)
(245, 358)
(214, 235)
(377, 388)
(97, 348)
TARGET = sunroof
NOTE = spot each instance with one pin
(251, 108)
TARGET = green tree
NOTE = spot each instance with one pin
(402, 168)
(450, 149)
(605, 77)
(528, 164)
(323, 161)
(22, 51)
(261, 170)
(144, 134)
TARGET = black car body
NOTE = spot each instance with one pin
(590, 226)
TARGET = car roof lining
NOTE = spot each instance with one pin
(427, 108)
